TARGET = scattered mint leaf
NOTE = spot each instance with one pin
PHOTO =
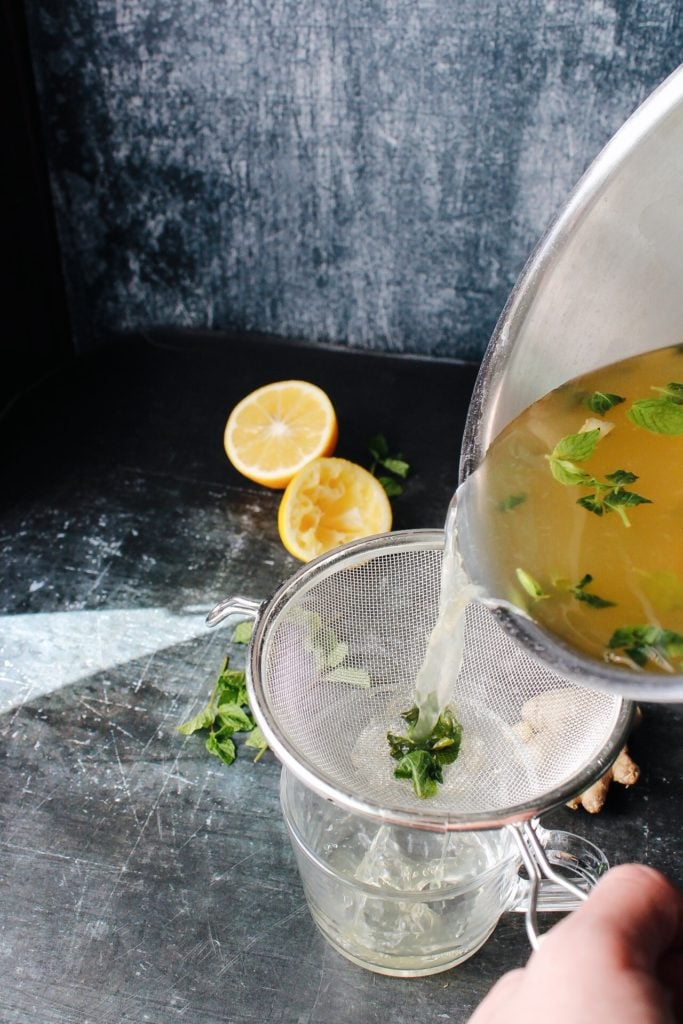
(397, 466)
(258, 741)
(202, 720)
(422, 760)
(581, 594)
(222, 746)
(577, 447)
(226, 713)
(392, 487)
(512, 501)
(378, 446)
(231, 716)
(424, 771)
(243, 631)
(532, 587)
(231, 686)
(601, 402)
(658, 415)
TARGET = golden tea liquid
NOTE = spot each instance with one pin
(582, 505)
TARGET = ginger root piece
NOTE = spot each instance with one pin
(550, 713)
(624, 770)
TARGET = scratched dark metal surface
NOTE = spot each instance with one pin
(373, 173)
(140, 880)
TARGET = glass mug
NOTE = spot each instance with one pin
(410, 902)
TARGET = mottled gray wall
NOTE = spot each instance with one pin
(368, 172)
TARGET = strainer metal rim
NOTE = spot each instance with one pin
(429, 818)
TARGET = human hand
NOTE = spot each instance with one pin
(618, 959)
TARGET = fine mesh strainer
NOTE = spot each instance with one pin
(332, 664)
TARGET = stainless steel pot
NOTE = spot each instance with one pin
(605, 283)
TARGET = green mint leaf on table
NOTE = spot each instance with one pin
(422, 760)
(231, 686)
(231, 716)
(378, 446)
(397, 466)
(648, 643)
(423, 770)
(258, 741)
(221, 745)
(202, 720)
(581, 594)
(243, 631)
(512, 501)
(601, 402)
(226, 713)
(392, 487)
(530, 585)
(577, 447)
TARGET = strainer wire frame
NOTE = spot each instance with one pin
(315, 572)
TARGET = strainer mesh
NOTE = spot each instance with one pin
(526, 730)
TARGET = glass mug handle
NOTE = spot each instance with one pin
(562, 869)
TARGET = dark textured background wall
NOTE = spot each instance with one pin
(367, 172)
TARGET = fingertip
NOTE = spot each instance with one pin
(637, 908)
(646, 885)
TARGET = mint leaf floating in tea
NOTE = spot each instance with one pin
(601, 402)
(531, 586)
(581, 594)
(612, 497)
(644, 643)
(662, 415)
(577, 447)
(569, 450)
(512, 501)
(672, 390)
(422, 760)
(658, 415)
(609, 495)
(378, 446)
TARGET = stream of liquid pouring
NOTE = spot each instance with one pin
(440, 669)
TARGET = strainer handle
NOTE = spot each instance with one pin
(548, 888)
(247, 607)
